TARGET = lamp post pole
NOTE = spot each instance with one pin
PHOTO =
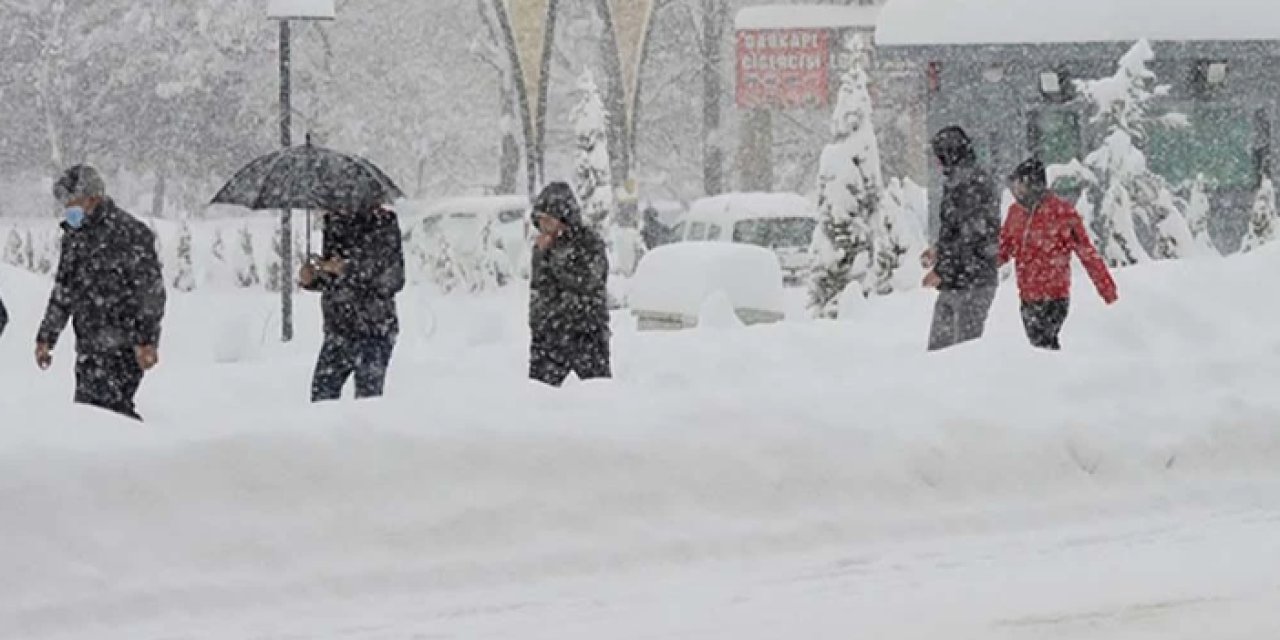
(286, 226)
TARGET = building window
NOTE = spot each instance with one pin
(1056, 85)
(698, 231)
(1209, 77)
(1222, 143)
(1056, 136)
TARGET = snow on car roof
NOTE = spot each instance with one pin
(745, 206)
(480, 205)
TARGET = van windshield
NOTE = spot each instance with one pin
(775, 233)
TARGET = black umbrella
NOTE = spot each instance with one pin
(309, 177)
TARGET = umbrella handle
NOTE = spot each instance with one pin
(308, 233)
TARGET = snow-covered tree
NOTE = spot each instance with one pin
(46, 259)
(1196, 210)
(13, 249)
(184, 278)
(1262, 218)
(275, 280)
(29, 253)
(593, 178)
(246, 265)
(901, 237)
(217, 271)
(1129, 190)
(849, 201)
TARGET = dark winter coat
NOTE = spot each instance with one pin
(568, 298)
(108, 284)
(361, 302)
(1041, 244)
(4, 317)
(969, 233)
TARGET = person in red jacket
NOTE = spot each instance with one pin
(1039, 235)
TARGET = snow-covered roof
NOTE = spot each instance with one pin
(732, 207)
(942, 22)
(301, 9)
(805, 16)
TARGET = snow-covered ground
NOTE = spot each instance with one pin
(800, 480)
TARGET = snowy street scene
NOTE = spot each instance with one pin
(639, 319)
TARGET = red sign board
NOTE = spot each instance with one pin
(783, 68)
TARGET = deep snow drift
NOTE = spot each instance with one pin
(803, 479)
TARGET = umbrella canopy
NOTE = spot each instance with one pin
(309, 177)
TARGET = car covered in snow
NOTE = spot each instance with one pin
(781, 222)
(468, 223)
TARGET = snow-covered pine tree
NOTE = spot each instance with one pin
(13, 249)
(1124, 104)
(849, 193)
(593, 178)
(184, 278)
(218, 269)
(29, 253)
(246, 265)
(1196, 209)
(275, 271)
(47, 257)
(1262, 218)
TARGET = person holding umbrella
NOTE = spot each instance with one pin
(109, 286)
(568, 297)
(361, 265)
(358, 273)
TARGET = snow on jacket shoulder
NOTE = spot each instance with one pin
(1041, 244)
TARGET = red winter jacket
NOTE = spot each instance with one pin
(1041, 245)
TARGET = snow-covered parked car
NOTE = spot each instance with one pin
(781, 222)
(675, 283)
(464, 222)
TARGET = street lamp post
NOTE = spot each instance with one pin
(286, 11)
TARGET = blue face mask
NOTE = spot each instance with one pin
(74, 216)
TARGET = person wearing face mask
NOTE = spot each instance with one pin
(1039, 236)
(109, 286)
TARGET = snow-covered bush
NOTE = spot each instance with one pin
(1262, 218)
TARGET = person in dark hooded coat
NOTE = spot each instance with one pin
(962, 264)
(568, 297)
(359, 273)
(110, 288)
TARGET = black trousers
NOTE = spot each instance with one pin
(1043, 322)
(341, 356)
(109, 380)
(588, 357)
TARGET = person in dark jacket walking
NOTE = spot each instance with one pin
(359, 272)
(568, 298)
(109, 285)
(1039, 235)
(962, 264)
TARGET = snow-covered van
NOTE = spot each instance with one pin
(781, 222)
(462, 222)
